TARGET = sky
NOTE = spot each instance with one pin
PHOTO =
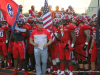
(80, 6)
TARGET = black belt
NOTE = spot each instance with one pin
(62, 41)
(18, 41)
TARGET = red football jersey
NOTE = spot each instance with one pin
(32, 13)
(54, 30)
(25, 27)
(79, 33)
(57, 14)
(3, 28)
(28, 25)
(33, 28)
(65, 32)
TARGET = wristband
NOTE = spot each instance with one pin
(6, 41)
(55, 33)
(72, 45)
(86, 43)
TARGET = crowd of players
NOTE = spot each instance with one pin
(73, 38)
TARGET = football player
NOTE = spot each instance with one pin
(3, 42)
(82, 34)
(54, 48)
(19, 45)
(32, 11)
(93, 47)
(66, 33)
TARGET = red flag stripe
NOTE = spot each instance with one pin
(47, 22)
(48, 27)
(49, 15)
(45, 26)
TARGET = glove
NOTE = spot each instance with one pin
(6, 44)
(84, 47)
(66, 46)
(71, 48)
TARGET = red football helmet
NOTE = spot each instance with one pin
(95, 19)
(21, 16)
(88, 18)
(70, 6)
(80, 19)
(21, 22)
(94, 15)
(32, 6)
(30, 19)
(66, 18)
(56, 21)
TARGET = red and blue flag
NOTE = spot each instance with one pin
(10, 11)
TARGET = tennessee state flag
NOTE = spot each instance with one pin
(10, 11)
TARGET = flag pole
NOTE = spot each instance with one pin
(98, 38)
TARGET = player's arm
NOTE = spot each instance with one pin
(87, 33)
(57, 36)
(92, 44)
(73, 36)
(73, 41)
(20, 29)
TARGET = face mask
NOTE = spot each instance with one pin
(20, 23)
(64, 23)
(77, 24)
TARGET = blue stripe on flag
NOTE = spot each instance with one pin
(13, 27)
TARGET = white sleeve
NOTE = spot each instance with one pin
(20, 29)
(29, 14)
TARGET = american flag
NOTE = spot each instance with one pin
(47, 18)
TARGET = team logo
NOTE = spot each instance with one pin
(10, 10)
(43, 32)
(19, 44)
(65, 29)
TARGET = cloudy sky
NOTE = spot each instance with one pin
(79, 5)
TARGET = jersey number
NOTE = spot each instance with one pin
(1, 34)
(77, 33)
